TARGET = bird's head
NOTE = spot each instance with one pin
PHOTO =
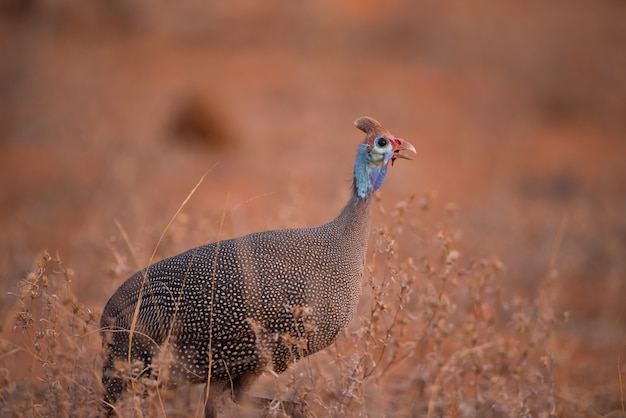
(380, 144)
(378, 149)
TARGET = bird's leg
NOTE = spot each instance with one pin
(291, 408)
(240, 388)
(241, 385)
(213, 392)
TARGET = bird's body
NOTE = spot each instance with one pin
(227, 311)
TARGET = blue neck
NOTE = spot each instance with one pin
(368, 174)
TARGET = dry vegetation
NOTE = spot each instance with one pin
(434, 337)
(507, 303)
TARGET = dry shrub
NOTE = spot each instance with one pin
(49, 362)
(435, 336)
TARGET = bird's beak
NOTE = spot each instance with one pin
(399, 146)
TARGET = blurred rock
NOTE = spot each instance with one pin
(17, 8)
(557, 186)
(196, 123)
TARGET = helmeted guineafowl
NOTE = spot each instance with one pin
(225, 312)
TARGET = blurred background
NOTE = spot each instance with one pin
(112, 111)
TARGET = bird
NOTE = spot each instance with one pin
(225, 312)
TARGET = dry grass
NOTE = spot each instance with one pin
(49, 363)
(435, 336)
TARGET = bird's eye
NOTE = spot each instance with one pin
(382, 142)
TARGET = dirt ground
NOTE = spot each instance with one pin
(111, 112)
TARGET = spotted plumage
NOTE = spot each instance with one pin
(227, 311)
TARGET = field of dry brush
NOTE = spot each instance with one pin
(497, 263)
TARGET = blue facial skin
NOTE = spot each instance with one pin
(370, 170)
